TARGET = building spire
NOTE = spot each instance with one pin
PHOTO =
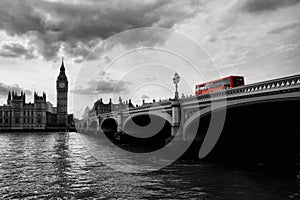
(62, 67)
(44, 96)
(9, 98)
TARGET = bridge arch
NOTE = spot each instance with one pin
(79, 126)
(191, 127)
(94, 125)
(85, 125)
(142, 121)
(254, 127)
(233, 105)
(109, 125)
(151, 129)
(204, 128)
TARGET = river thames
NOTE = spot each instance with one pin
(59, 166)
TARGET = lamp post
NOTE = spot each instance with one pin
(176, 80)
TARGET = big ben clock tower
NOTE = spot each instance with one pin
(62, 96)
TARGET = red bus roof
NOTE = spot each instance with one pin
(219, 80)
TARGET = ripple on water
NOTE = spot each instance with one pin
(58, 166)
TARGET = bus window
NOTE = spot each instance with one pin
(238, 81)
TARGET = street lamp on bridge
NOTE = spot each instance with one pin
(176, 80)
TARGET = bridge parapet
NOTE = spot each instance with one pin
(276, 85)
(149, 105)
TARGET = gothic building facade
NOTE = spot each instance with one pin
(21, 115)
(41, 115)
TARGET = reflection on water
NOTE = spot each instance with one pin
(57, 165)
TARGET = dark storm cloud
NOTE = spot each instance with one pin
(77, 27)
(4, 89)
(107, 86)
(13, 50)
(264, 5)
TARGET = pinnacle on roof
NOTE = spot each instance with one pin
(62, 67)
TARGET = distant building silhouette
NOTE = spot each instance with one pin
(101, 108)
(86, 112)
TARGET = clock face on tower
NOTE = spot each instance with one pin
(61, 84)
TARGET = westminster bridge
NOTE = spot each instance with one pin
(260, 119)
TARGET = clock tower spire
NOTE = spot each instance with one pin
(62, 96)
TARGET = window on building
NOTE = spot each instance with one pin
(1, 121)
(17, 113)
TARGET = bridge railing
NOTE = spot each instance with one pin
(148, 105)
(271, 85)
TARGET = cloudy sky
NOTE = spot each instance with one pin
(133, 48)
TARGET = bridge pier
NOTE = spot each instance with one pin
(119, 125)
(119, 121)
(98, 127)
(175, 129)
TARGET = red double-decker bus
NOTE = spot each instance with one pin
(220, 84)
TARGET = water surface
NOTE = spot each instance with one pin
(59, 166)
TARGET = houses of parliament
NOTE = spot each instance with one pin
(41, 114)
